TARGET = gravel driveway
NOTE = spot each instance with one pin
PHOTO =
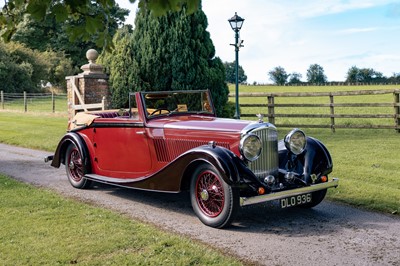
(330, 234)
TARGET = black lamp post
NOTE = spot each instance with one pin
(236, 23)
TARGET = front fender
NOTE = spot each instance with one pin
(231, 167)
(71, 138)
(315, 160)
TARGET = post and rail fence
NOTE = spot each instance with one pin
(48, 102)
(52, 101)
(331, 114)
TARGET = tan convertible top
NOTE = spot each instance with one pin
(81, 120)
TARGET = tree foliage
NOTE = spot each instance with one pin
(278, 75)
(83, 22)
(120, 66)
(230, 72)
(21, 69)
(295, 78)
(364, 75)
(171, 52)
(49, 33)
(316, 74)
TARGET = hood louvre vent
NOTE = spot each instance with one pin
(167, 150)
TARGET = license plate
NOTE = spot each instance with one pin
(296, 200)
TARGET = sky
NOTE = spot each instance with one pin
(293, 34)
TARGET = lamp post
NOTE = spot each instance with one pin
(236, 23)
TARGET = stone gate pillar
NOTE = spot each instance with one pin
(88, 90)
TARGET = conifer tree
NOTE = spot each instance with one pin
(172, 52)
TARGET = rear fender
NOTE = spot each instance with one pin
(71, 138)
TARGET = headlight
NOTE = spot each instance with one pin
(250, 147)
(296, 141)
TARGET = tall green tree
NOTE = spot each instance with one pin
(175, 52)
(278, 75)
(230, 71)
(353, 75)
(316, 74)
(120, 66)
(89, 25)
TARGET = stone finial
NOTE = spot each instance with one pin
(92, 55)
(92, 67)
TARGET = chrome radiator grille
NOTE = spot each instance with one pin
(267, 163)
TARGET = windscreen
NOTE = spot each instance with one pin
(177, 103)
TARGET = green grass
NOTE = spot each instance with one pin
(32, 130)
(39, 227)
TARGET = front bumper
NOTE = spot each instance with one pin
(288, 193)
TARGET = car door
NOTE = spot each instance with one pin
(121, 147)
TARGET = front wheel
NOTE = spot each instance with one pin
(75, 168)
(214, 201)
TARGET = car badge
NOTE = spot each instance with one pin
(260, 118)
(313, 178)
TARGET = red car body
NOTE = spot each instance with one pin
(172, 141)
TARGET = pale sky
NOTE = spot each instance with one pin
(336, 34)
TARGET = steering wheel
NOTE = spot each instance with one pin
(159, 111)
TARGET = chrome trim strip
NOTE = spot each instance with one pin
(288, 193)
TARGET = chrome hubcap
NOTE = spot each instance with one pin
(71, 165)
(204, 195)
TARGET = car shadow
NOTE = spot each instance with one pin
(266, 218)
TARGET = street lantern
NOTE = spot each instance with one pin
(236, 23)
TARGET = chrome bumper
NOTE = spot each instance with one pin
(288, 193)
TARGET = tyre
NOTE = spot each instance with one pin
(75, 168)
(316, 199)
(214, 202)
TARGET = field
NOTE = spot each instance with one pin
(364, 99)
(366, 161)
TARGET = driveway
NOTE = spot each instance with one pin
(329, 234)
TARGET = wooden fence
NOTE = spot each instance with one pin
(37, 101)
(271, 108)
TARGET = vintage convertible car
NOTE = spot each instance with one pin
(172, 141)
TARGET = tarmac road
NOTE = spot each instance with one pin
(329, 234)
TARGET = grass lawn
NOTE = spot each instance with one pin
(366, 161)
(39, 227)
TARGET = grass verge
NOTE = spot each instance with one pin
(42, 228)
(32, 130)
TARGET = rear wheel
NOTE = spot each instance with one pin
(75, 168)
(214, 201)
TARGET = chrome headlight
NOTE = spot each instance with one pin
(296, 141)
(250, 147)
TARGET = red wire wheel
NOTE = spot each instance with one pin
(213, 200)
(210, 193)
(75, 168)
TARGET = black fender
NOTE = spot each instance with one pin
(67, 139)
(316, 159)
(230, 166)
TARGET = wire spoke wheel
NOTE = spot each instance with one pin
(75, 167)
(210, 194)
(213, 200)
